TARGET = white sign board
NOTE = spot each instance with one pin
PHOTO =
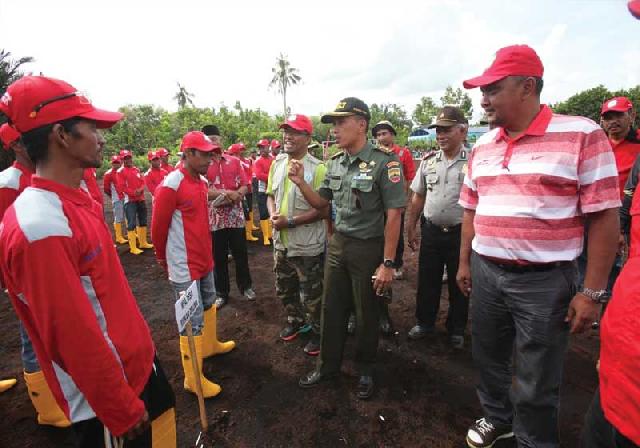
(187, 305)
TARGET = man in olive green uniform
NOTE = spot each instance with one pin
(364, 182)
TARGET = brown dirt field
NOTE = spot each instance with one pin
(425, 394)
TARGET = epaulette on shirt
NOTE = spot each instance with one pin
(336, 155)
(429, 154)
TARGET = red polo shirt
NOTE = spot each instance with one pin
(153, 178)
(408, 167)
(626, 152)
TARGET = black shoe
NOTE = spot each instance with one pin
(484, 434)
(385, 325)
(313, 346)
(419, 331)
(313, 378)
(351, 326)
(366, 387)
(293, 329)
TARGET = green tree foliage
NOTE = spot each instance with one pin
(10, 71)
(284, 76)
(424, 112)
(458, 98)
(589, 102)
(396, 115)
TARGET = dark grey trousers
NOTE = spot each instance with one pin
(519, 342)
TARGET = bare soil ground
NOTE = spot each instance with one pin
(426, 395)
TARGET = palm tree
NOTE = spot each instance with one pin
(183, 97)
(284, 75)
(10, 68)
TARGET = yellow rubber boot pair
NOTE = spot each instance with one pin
(253, 226)
(248, 235)
(264, 226)
(8, 384)
(117, 231)
(49, 413)
(133, 238)
(211, 345)
(142, 238)
(209, 388)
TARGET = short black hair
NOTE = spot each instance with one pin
(37, 140)
(538, 80)
(210, 129)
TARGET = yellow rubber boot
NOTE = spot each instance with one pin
(49, 413)
(131, 234)
(270, 229)
(264, 226)
(163, 430)
(253, 225)
(211, 345)
(117, 230)
(247, 232)
(142, 237)
(8, 384)
(209, 388)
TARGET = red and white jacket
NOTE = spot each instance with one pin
(89, 183)
(153, 178)
(167, 167)
(13, 181)
(68, 287)
(131, 180)
(111, 185)
(247, 167)
(180, 226)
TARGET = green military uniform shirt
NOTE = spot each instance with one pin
(362, 187)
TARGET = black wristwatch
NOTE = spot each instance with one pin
(388, 263)
(291, 222)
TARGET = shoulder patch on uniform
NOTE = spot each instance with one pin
(173, 180)
(336, 155)
(393, 163)
(384, 150)
(394, 175)
(429, 154)
(40, 215)
(10, 178)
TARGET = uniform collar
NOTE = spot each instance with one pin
(537, 127)
(365, 155)
(76, 195)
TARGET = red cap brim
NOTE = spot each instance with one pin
(481, 81)
(104, 119)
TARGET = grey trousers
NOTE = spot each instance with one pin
(519, 340)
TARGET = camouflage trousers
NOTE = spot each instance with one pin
(299, 286)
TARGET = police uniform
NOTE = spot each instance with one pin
(440, 180)
(362, 187)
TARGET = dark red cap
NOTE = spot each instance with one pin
(35, 101)
(125, 153)
(162, 152)
(617, 104)
(275, 143)
(516, 60)
(197, 140)
(152, 155)
(8, 135)
(298, 122)
(263, 142)
(634, 8)
(115, 159)
(236, 148)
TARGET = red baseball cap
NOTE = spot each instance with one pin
(125, 153)
(152, 155)
(298, 122)
(236, 148)
(617, 104)
(8, 135)
(275, 143)
(115, 159)
(162, 152)
(515, 60)
(263, 142)
(634, 8)
(197, 140)
(35, 101)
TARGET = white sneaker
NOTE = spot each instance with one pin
(484, 434)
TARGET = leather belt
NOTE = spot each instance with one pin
(518, 268)
(444, 229)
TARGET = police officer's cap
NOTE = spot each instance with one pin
(449, 116)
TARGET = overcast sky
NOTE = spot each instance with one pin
(396, 51)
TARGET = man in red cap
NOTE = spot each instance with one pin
(65, 280)
(89, 183)
(532, 183)
(235, 150)
(112, 188)
(13, 181)
(164, 160)
(135, 207)
(180, 229)
(228, 185)
(275, 148)
(155, 174)
(261, 169)
(300, 237)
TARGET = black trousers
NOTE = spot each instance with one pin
(437, 249)
(247, 204)
(158, 397)
(400, 247)
(225, 240)
(262, 206)
(597, 432)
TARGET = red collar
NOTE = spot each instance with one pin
(76, 195)
(22, 168)
(537, 127)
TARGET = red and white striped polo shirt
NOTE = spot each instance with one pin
(530, 193)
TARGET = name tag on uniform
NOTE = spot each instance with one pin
(363, 176)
